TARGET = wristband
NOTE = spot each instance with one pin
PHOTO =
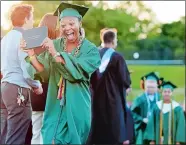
(56, 55)
(31, 57)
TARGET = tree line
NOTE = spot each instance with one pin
(152, 40)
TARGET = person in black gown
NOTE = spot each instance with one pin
(108, 85)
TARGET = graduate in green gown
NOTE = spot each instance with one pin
(142, 106)
(167, 123)
(71, 59)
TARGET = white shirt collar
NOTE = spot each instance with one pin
(167, 107)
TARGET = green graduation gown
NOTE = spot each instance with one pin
(153, 127)
(139, 110)
(75, 120)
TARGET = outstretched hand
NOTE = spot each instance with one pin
(48, 44)
(23, 44)
(38, 90)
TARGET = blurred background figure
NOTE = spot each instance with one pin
(102, 32)
(167, 123)
(16, 83)
(144, 103)
(109, 84)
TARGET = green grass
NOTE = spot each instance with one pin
(175, 74)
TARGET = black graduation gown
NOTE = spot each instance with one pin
(130, 126)
(109, 113)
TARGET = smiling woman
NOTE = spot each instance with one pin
(5, 7)
(72, 60)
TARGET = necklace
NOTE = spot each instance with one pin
(61, 84)
(78, 47)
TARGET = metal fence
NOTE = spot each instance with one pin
(161, 56)
(155, 62)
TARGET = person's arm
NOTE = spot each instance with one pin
(136, 109)
(27, 75)
(35, 84)
(43, 58)
(180, 126)
(123, 72)
(78, 68)
(31, 56)
(36, 64)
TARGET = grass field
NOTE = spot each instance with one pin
(175, 74)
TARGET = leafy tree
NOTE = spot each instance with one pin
(135, 33)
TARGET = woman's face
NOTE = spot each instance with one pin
(70, 28)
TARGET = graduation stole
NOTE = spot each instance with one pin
(106, 59)
(61, 83)
(170, 125)
(148, 103)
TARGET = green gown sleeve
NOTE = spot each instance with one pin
(150, 133)
(135, 108)
(180, 126)
(78, 68)
(44, 59)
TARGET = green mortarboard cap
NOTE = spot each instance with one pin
(161, 79)
(66, 9)
(169, 85)
(151, 76)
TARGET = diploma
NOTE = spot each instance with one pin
(34, 37)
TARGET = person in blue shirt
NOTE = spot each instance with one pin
(142, 106)
(16, 82)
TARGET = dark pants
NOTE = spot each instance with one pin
(15, 119)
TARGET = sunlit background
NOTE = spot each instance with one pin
(166, 11)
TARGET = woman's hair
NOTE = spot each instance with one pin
(19, 13)
(50, 21)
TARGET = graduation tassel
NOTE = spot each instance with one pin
(61, 97)
(172, 124)
(60, 84)
(161, 124)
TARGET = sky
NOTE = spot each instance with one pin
(166, 11)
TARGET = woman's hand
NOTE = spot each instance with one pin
(128, 91)
(48, 43)
(23, 46)
(38, 91)
(152, 142)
